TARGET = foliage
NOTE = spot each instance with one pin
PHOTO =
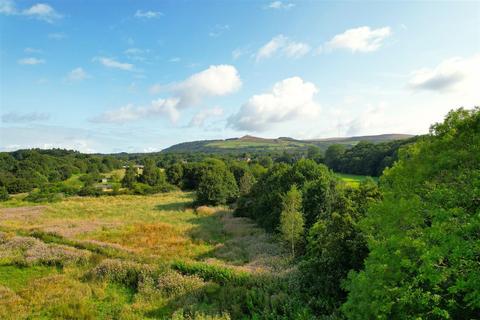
(336, 245)
(365, 158)
(152, 175)
(175, 174)
(130, 177)
(216, 185)
(264, 202)
(424, 235)
(4, 194)
(291, 219)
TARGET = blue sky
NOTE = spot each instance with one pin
(111, 76)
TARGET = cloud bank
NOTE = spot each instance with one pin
(289, 99)
(217, 80)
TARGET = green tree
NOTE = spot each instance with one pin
(291, 219)
(424, 236)
(4, 194)
(151, 173)
(129, 178)
(246, 183)
(175, 174)
(216, 184)
(333, 156)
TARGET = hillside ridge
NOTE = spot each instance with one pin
(249, 143)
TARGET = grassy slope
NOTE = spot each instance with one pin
(353, 179)
(251, 144)
(157, 230)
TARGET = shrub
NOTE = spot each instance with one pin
(127, 273)
(207, 272)
(4, 194)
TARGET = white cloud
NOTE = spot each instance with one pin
(452, 75)
(31, 61)
(13, 117)
(175, 59)
(290, 99)
(57, 36)
(77, 74)
(156, 88)
(237, 53)
(283, 45)
(296, 49)
(7, 7)
(362, 39)
(369, 121)
(280, 5)
(32, 50)
(130, 112)
(218, 30)
(112, 63)
(217, 80)
(40, 11)
(43, 12)
(201, 117)
(147, 14)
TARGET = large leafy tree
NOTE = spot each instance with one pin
(335, 245)
(129, 178)
(216, 184)
(424, 236)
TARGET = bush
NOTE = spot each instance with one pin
(4, 194)
(44, 196)
(90, 191)
(127, 273)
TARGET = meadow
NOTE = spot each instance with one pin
(130, 257)
(353, 180)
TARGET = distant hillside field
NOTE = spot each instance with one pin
(255, 144)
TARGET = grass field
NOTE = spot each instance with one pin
(352, 179)
(128, 257)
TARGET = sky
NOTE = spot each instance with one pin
(139, 76)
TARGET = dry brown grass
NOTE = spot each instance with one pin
(29, 251)
(205, 211)
(21, 213)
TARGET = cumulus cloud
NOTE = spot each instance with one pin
(289, 99)
(43, 12)
(362, 39)
(77, 74)
(278, 5)
(283, 45)
(147, 14)
(201, 117)
(13, 117)
(7, 7)
(217, 80)
(31, 61)
(130, 112)
(112, 63)
(452, 75)
(40, 11)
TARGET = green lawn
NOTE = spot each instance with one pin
(352, 179)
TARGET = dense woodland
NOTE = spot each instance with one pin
(405, 247)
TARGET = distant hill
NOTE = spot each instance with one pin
(253, 144)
